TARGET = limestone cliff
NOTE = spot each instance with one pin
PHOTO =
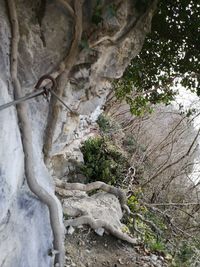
(47, 31)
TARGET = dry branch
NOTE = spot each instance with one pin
(173, 163)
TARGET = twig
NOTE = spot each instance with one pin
(150, 223)
(173, 163)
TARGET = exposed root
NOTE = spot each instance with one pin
(69, 193)
(119, 193)
(26, 132)
(123, 33)
(149, 223)
(136, 22)
(107, 38)
(95, 224)
(67, 6)
(63, 73)
(87, 219)
(72, 189)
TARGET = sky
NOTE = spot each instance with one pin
(190, 100)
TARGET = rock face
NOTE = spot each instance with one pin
(101, 206)
(46, 33)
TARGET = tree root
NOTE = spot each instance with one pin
(119, 193)
(87, 219)
(95, 224)
(26, 132)
(64, 193)
(147, 222)
(123, 33)
(67, 6)
(62, 74)
(66, 190)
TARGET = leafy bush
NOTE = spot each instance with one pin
(152, 240)
(166, 59)
(104, 123)
(187, 254)
(103, 161)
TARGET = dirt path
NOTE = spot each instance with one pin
(86, 249)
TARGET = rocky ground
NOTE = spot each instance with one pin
(84, 248)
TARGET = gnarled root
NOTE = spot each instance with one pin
(119, 193)
(68, 188)
(26, 133)
(147, 222)
(62, 75)
(95, 224)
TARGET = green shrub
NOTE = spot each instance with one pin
(103, 161)
(104, 123)
(184, 254)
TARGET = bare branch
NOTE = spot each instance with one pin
(173, 163)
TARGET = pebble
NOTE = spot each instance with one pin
(70, 230)
(154, 257)
(121, 261)
(161, 258)
(99, 231)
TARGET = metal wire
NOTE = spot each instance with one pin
(22, 99)
(34, 94)
(59, 99)
(43, 91)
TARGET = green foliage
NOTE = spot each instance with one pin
(97, 16)
(157, 220)
(184, 254)
(111, 10)
(107, 126)
(151, 240)
(103, 161)
(131, 145)
(84, 44)
(97, 13)
(104, 123)
(170, 55)
(134, 204)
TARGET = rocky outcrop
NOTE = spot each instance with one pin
(46, 32)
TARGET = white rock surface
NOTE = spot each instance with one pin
(101, 206)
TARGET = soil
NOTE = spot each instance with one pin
(84, 248)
